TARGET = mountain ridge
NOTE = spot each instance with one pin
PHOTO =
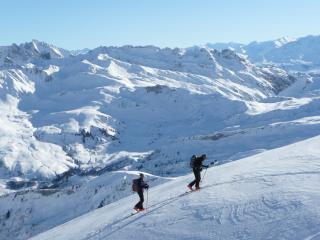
(294, 54)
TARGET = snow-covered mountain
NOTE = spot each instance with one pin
(70, 122)
(300, 54)
(92, 109)
(28, 52)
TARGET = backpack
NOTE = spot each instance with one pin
(192, 160)
(135, 183)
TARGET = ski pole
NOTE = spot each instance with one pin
(147, 199)
(204, 175)
(212, 163)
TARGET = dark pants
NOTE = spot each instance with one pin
(140, 203)
(197, 175)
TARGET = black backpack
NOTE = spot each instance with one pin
(135, 185)
(192, 160)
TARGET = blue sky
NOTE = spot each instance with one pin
(76, 24)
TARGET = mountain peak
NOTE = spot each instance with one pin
(284, 40)
(45, 48)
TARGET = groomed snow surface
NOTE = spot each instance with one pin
(271, 195)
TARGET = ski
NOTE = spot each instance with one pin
(138, 211)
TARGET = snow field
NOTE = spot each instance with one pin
(272, 195)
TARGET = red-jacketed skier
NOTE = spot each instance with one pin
(196, 164)
(138, 185)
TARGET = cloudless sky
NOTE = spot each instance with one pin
(76, 24)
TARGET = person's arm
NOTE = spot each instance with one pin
(145, 185)
(205, 166)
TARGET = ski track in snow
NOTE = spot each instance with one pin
(313, 237)
(152, 208)
(237, 213)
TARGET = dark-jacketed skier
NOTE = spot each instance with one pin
(196, 164)
(138, 186)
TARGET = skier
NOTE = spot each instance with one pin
(196, 164)
(138, 186)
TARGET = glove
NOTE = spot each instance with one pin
(206, 166)
(146, 187)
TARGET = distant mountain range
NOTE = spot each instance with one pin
(301, 54)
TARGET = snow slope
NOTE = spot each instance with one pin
(271, 195)
(29, 212)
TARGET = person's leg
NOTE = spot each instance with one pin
(195, 178)
(192, 183)
(137, 205)
(198, 178)
(140, 203)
